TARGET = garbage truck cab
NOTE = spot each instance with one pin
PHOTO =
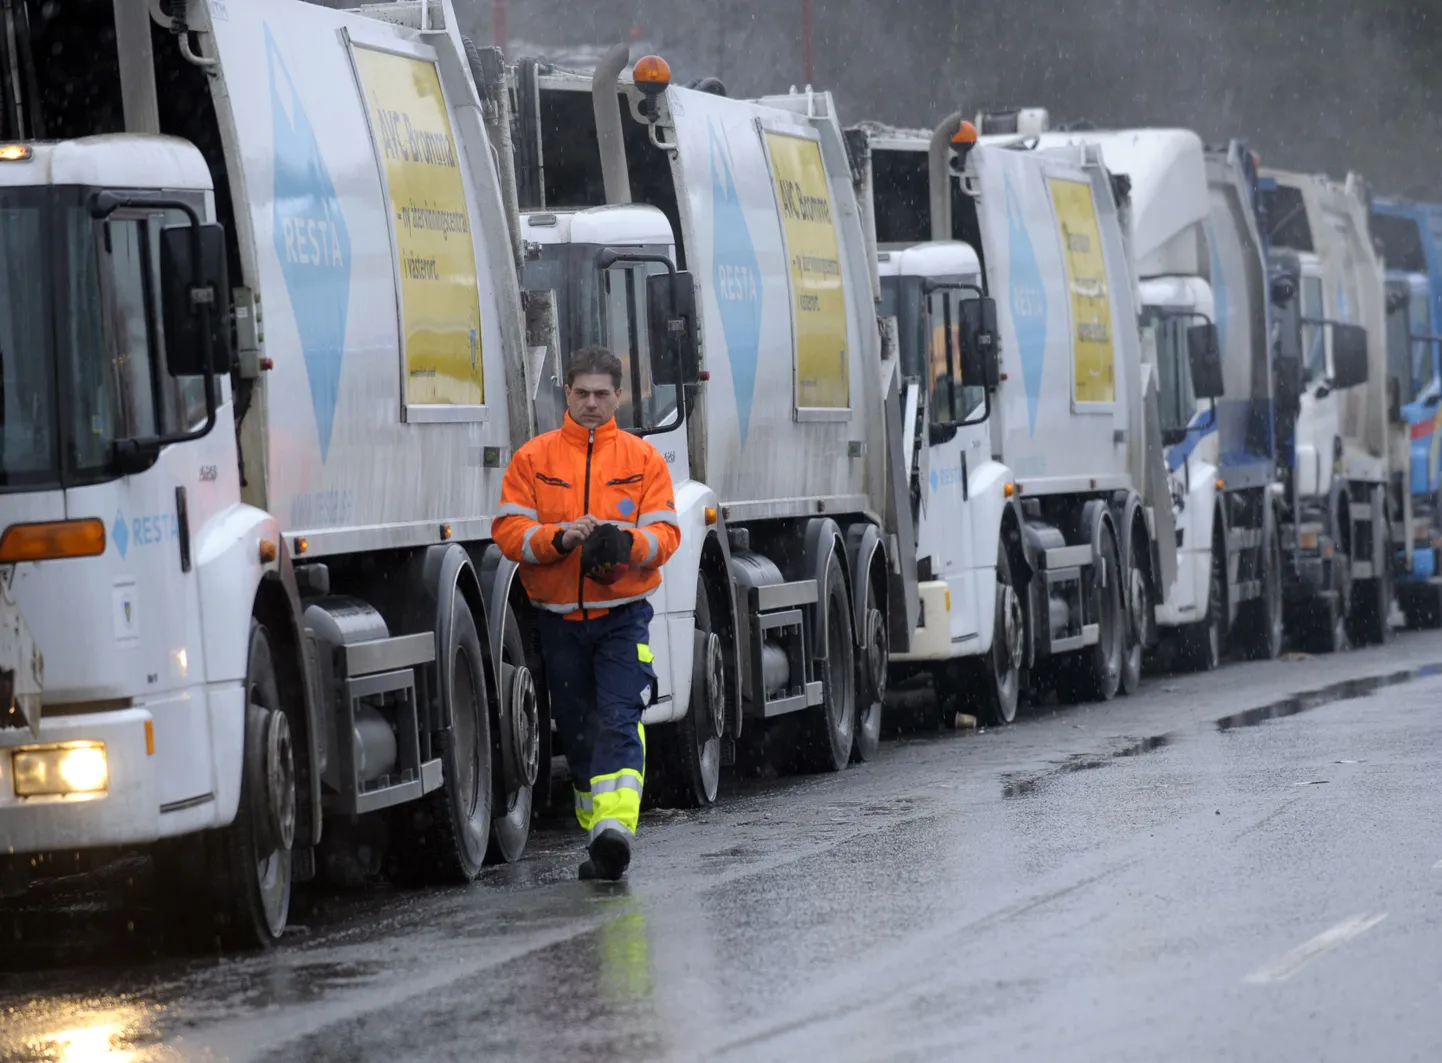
(1351, 451)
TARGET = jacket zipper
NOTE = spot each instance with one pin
(585, 508)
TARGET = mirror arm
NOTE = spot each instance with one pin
(608, 257)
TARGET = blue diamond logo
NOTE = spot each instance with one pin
(738, 281)
(121, 534)
(627, 507)
(1028, 304)
(312, 243)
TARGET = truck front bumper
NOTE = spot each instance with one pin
(146, 750)
(932, 639)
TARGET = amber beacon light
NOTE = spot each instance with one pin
(651, 72)
(52, 541)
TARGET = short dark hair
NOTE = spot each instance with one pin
(589, 360)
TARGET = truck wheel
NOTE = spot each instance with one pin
(1259, 627)
(830, 728)
(1422, 607)
(511, 827)
(1370, 615)
(688, 752)
(1201, 643)
(442, 838)
(1138, 606)
(249, 862)
(997, 676)
(1095, 673)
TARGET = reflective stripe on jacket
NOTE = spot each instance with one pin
(561, 476)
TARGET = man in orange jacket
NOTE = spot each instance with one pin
(588, 513)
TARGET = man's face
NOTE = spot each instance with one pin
(592, 399)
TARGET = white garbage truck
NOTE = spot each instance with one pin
(1074, 415)
(970, 637)
(1349, 509)
(644, 202)
(1202, 270)
(264, 359)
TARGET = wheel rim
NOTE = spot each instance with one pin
(838, 641)
(280, 779)
(273, 829)
(1007, 649)
(463, 730)
(524, 713)
(711, 720)
(878, 643)
(1112, 622)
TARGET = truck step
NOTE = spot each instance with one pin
(378, 656)
(812, 695)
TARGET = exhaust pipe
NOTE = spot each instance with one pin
(607, 106)
(940, 180)
(137, 67)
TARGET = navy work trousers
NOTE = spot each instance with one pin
(598, 671)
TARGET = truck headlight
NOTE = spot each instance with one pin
(74, 768)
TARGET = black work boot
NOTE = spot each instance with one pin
(610, 855)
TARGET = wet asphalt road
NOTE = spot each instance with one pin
(1215, 869)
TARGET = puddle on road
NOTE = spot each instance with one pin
(1347, 690)
(1021, 785)
(1014, 785)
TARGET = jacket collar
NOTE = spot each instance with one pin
(575, 433)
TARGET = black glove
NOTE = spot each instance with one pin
(606, 554)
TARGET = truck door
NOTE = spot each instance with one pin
(142, 636)
(950, 404)
(650, 410)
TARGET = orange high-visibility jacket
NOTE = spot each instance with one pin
(560, 476)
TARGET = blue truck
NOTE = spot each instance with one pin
(1409, 238)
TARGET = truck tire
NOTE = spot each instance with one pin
(1138, 606)
(1200, 644)
(442, 839)
(1259, 632)
(1094, 674)
(688, 751)
(996, 677)
(1422, 607)
(1369, 618)
(511, 825)
(245, 869)
(829, 729)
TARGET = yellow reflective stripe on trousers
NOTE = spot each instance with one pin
(644, 654)
(616, 798)
(584, 812)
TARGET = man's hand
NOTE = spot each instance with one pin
(577, 533)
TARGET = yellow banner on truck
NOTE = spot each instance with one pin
(1094, 378)
(431, 226)
(823, 373)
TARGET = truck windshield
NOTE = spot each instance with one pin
(607, 310)
(1178, 399)
(921, 325)
(80, 344)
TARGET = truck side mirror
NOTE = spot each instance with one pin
(188, 290)
(1205, 355)
(671, 324)
(980, 366)
(1349, 356)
